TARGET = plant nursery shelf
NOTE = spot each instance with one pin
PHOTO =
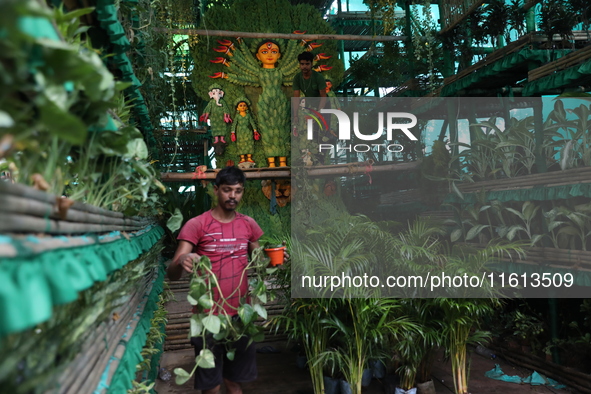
(545, 186)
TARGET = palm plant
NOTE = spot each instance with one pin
(416, 348)
(361, 326)
(460, 327)
(304, 321)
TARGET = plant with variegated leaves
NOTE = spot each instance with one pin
(211, 316)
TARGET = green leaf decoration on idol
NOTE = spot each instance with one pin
(262, 69)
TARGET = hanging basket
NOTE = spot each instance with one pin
(276, 255)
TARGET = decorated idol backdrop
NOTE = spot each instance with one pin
(247, 81)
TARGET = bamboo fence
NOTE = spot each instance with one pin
(25, 209)
(103, 348)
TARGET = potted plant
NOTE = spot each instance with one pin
(303, 321)
(460, 320)
(361, 326)
(275, 252)
(416, 349)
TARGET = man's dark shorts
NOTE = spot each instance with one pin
(240, 370)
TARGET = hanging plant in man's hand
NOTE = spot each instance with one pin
(212, 317)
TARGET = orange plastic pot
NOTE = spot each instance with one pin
(276, 255)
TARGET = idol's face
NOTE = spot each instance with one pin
(242, 107)
(268, 54)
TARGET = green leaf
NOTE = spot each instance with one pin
(212, 324)
(196, 326)
(258, 337)
(175, 221)
(6, 120)
(192, 300)
(260, 310)
(182, 376)
(205, 301)
(456, 235)
(246, 313)
(205, 359)
(263, 297)
(474, 231)
(230, 354)
(77, 13)
(62, 124)
(137, 148)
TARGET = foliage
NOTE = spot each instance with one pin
(304, 320)
(360, 327)
(415, 349)
(496, 17)
(35, 359)
(53, 93)
(384, 10)
(556, 17)
(460, 327)
(573, 133)
(213, 319)
(425, 42)
(516, 16)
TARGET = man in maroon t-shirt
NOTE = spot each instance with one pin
(227, 238)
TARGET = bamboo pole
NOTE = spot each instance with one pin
(15, 204)
(22, 223)
(80, 368)
(289, 36)
(108, 351)
(28, 192)
(340, 169)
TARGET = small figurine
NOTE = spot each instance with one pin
(220, 117)
(244, 131)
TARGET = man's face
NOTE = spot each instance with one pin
(305, 66)
(229, 196)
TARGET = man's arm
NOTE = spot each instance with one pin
(182, 260)
(252, 246)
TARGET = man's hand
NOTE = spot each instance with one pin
(186, 261)
(182, 260)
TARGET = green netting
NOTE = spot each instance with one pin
(538, 193)
(33, 283)
(125, 373)
(558, 80)
(107, 16)
(507, 63)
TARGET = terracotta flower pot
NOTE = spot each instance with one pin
(276, 255)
